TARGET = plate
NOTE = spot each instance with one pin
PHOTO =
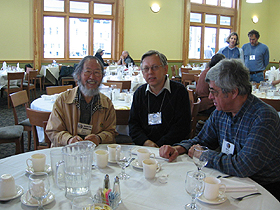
(112, 161)
(46, 201)
(135, 164)
(48, 169)
(19, 190)
(220, 199)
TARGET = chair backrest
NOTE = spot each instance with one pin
(187, 78)
(272, 102)
(31, 77)
(15, 76)
(118, 84)
(19, 98)
(28, 69)
(38, 118)
(57, 89)
(173, 71)
(125, 84)
(122, 117)
(194, 112)
(185, 70)
(197, 72)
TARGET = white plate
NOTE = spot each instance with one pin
(19, 190)
(46, 201)
(220, 199)
(48, 169)
(112, 161)
(135, 164)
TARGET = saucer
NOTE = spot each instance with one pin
(135, 164)
(220, 199)
(46, 201)
(112, 161)
(19, 190)
(47, 169)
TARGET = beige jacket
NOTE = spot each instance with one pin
(63, 121)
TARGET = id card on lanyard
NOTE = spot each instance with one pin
(154, 118)
(227, 147)
(84, 129)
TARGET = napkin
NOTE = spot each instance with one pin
(236, 186)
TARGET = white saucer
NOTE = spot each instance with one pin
(220, 199)
(46, 201)
(135, 164)
(48, 169)
(112, 161)
(19, 190)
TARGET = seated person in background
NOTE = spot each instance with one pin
(160, 112)
(99, 54)
(125, 59)
(83, 113)
(247, 129)
(274, 77)
(206, 106)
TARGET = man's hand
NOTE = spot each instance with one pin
(94, 138)
(74, 139)
(191, 150)
(171, 153)
(150, 143)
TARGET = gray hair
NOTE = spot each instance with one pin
(77, 72)
(161, 56)
(230, 74)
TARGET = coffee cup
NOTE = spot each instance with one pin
(143, 154)
(113, 150)
(38, 162)
(150, 168)
(7, 186)
(212, 188)
(101, 158)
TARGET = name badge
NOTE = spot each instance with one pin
(154, 118)
(84, 129)
(227, 148)
(252, 57)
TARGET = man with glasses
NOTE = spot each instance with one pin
(160, 112)
(246, 129)
(83, 113)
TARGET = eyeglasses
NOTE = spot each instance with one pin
(153, 68)
(214, 92)
(95, 73)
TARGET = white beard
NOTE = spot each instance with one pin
(87, 92)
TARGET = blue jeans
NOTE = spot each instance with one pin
(257, 77)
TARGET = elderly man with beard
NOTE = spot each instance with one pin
(83, 113)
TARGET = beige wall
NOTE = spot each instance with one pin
(144, 30)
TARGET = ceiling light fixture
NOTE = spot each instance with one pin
(155, 8)
(254, 1)
(255, 19)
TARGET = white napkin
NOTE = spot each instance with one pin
(236, 186)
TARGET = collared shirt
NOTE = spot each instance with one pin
(165, 86)
(255, 133)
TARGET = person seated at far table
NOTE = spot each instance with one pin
(246, 129)
(83, 113)
(99, 54)
(125, 59)
(160, 112)
(274, 77)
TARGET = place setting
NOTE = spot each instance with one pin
(38, 161)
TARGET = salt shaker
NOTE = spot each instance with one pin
(116, 188)
(106, 182)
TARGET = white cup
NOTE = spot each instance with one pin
(7, 186)
(143, 154)
(38, 162)
(113, 150)
(101, 158)
(122, 96)
(212, 187)
(150, 168)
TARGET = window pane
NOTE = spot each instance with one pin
(209, 42)
(53, 37)
(102, 9)
(226, 3)
(102, 36)
(225, 20)
(212, 2)
(197, 1)
(223, 37)
(79, 7)
(78, 40)
(54, 5)
(195, 17)
(194, 43)
(212, 19)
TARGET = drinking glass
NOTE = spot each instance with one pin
(122, 159)
(200, 156)
(39, 187)
(194, 186)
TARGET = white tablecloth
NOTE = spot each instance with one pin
(51, 73)
(137, 192)
(4, 77)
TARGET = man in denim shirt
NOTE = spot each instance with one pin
(248, 125)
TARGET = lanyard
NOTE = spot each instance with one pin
(160, 105)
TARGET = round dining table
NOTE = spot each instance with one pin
(165, 191)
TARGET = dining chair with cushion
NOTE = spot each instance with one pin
(40, 78)
(40, 119)
(14, 78)
(57, 89)
(18, 99)
(126, 84)
(12, 134)
(30, 85)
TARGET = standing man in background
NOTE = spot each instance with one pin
(256, 56)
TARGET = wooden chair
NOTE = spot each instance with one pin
(65, 80)
(118, 84)
(21, 98)
(13, 77)
(194, 112)
(197, 72)
(122, 117)
(175, 75)
(12, 134)
(185, 70)
(57, 89)
(38, 118)
(272, 102)
(31, 83)
(39, 77)
(187, 78)
(126, 84)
